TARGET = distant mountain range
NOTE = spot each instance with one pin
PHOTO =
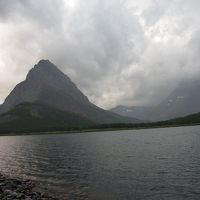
(142, 112)
(184, 100)
(47, 98)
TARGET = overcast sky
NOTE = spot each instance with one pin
(116, 51)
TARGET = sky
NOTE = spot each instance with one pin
(118, 52)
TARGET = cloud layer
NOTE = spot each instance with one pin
(116, 51)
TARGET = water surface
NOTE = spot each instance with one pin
(151, 164)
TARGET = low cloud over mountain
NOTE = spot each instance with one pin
(118, 52)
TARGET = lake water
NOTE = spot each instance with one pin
(151, 164)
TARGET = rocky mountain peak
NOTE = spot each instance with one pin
(47, 84)
(45, 70)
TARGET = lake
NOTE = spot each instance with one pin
(151, 164)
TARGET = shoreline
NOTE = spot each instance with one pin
(94, 130)
(18, 189)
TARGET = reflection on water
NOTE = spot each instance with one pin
(144, 164)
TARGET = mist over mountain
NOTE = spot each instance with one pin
(48, 90)
(139, 112)
(47, 96)
(141, 49)
(184, 100)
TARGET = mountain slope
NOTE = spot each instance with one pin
(183, 101)
(38, 117)
(189, 119)
(139, 112)
(46, 84)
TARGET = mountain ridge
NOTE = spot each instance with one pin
(44, 75)
(47, 85)
(182, 101)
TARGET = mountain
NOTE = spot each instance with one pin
(183, 101)
(46, 86)
(39, 117)
(189, 119)
(193, 119)
(139, 112)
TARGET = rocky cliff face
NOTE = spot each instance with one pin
(46, 84)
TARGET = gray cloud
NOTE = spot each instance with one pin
(116, 51)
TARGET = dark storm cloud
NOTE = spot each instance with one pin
(117, 51)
